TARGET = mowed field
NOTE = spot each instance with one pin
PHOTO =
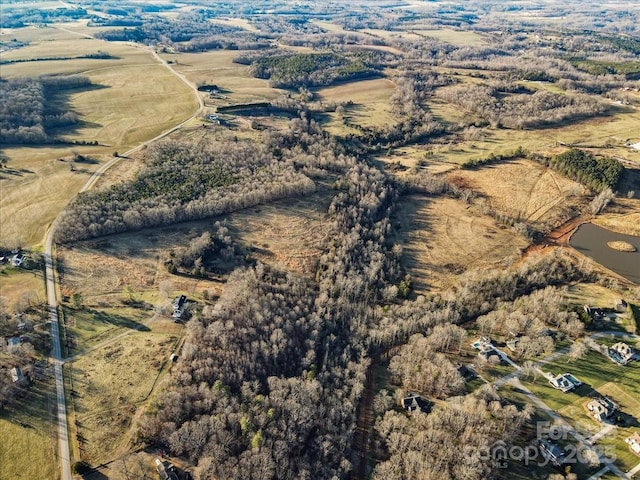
(442, 237)
(289, 234)
(109, 385)
(133, 99)
(524, 190)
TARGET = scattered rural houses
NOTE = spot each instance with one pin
(552, 452)
(634, 443)
(602, 408)
(565, 382)
(179, 305)
(414, 402)
(621, 353)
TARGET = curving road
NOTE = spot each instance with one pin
(50, 282)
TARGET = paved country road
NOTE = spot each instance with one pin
(50, 281)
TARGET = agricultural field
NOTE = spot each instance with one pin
(444, 237)
(525, 190)
(289, 234)
(132, 99)
(235, 83)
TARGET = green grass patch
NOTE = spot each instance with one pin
(28, 444)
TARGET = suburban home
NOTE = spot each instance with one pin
(602, 408)
(565, 382)
(485, 355)
(634, 443)
(179, 305)
(621, 353)
(552, 452)
(414, 402)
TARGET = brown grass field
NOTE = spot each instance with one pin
(371, 103)
(524, 190)
(15, 283)
(443, 237)
(217, 68)
(109, 385)
(288, 234)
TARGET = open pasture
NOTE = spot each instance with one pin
(109, 384)
(442, 237)
(370, 103)
(524, 190)
(133, 99)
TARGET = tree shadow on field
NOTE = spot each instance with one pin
(119, 321)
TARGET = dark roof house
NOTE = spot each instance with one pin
(414, 402)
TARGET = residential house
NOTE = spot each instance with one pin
(634, 443)
(602, 408)
(622, 353)
(414, 402)
(18, 259)
(166, 470)
(565, 382)
(552, 452)
(179, 305)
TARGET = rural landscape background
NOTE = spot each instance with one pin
(319, 240)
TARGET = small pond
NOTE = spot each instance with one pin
(592, 241)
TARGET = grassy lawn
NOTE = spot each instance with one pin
(18, 284)
(28, 435)
(88, 327)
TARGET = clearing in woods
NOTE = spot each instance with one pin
(525, 191)
(370, 107)
(443, 237)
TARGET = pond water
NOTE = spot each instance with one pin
(592, 240)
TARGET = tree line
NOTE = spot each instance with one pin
(28, 111)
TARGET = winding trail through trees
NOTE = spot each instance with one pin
(50, 277)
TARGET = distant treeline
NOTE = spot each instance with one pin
(99, 55)
(27, 111)
(519, 152)
(596, 173)
(311, 69)
(183, 28)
